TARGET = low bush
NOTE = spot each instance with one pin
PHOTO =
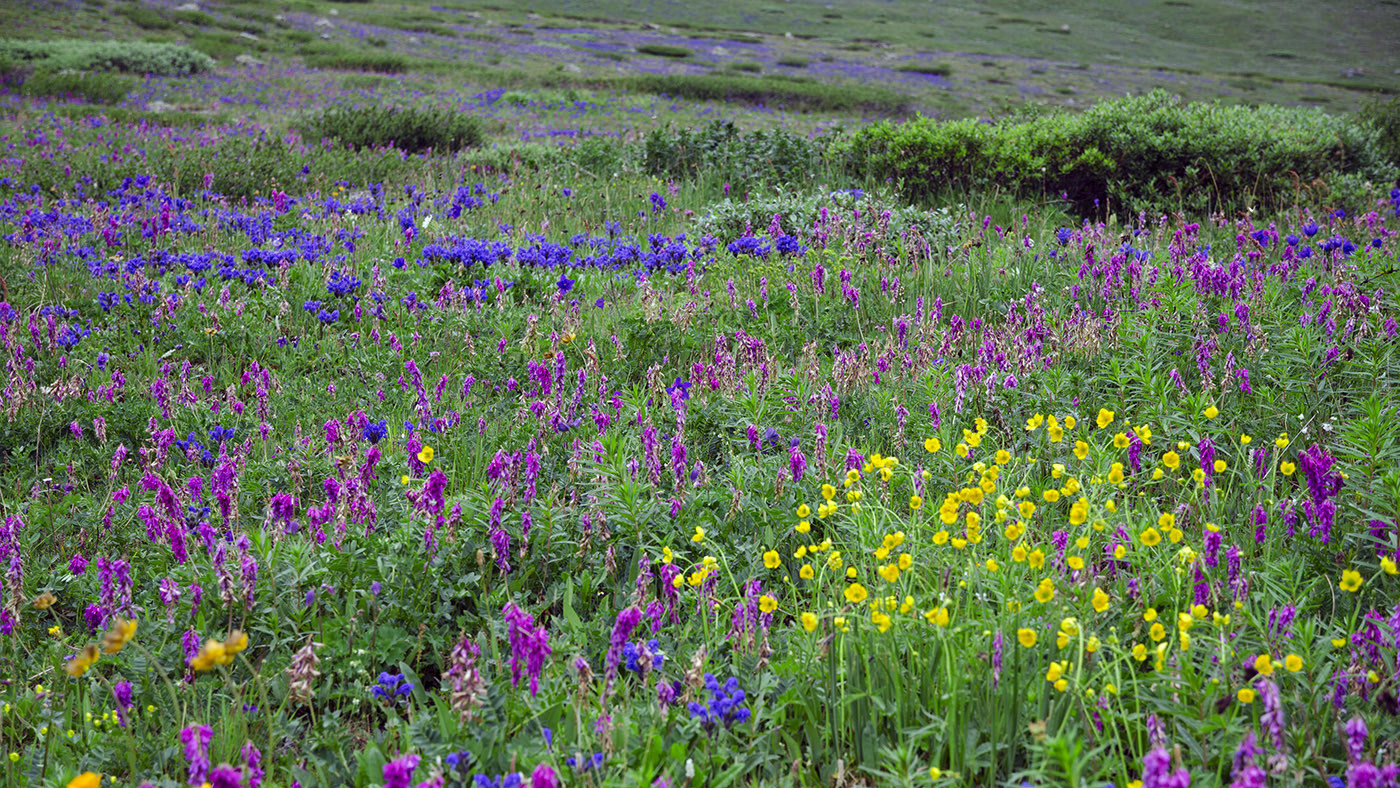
(1383, 115)
(92, 88)
(145, 18)
(930, 69)
(135, 57)
(378, 62)
(805, 96)
(721, 151)
(409, 129)
(1151, 153)
(665, 50)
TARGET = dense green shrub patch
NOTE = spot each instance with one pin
(1140, 153)
(664, 50)
(409, 129)
(381, 62)
(94, 88)
(135, 57)
(805, 96)
(720, 150)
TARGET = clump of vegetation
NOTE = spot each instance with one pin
(721, 151)
(406, 128)
(665, 50)
(379, 62)
(92, 88)
(1150, 152)
(794, 95)
(931, 69)
(133, 57)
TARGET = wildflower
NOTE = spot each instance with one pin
(85, 659)
(1100, 601)
(1264, 665)
(1351, 580)
(932, 445)
(425, 454)
(1287, 468)
(699, 535)
(1172, 460)
(121, 633)
(1388, 566)
(196, 740)
(804, 511)
(772, 560)
(45, 601)
(1026, 637)
(806, 572)
(1211, 412)
(1246, 695)
(86, 780)
(809, 621)
(302, 672)
(856, 593)
(1293, 663)
(767, 604)
(529, 646)
(1151, 537)
(915, 502)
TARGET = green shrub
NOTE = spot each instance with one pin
(409, 129)
(665, 50)
(931, 69)
(379, 62)
(752, 68)
(92, 88)
(145, 18)
(1383, 115)
(720, 151)
(220, 46)
(808, 96)
(1150, 153)
(793, 62)
(135, 57)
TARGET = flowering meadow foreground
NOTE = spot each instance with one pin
(528, 478)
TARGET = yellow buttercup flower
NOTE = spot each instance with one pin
(1351, 580)
(1246, 695)
(1027, 637)
(86, 780)
(767, 604)
(425, 454)
(1264, 665)
(1100, 600)
(809, 622)
(1293, 663)
(1287, 468)
(932, 445)
(1220, 466)
(1388, 566)
(856, 593)
(1211, 412)
(1105, 418)
(804, 511)
(772, 560)
(828, 492)
(806, 572)
(1151, 537)
(1081, 449)
(915, 502)
(1172, 460)
(1003, 457)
